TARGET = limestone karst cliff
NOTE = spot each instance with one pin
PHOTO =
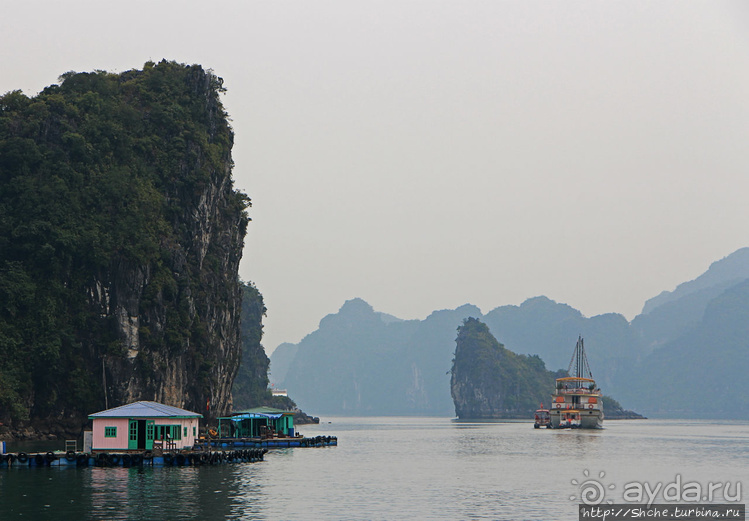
(489, 381)
(120, 240)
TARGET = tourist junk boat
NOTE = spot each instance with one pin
(577, 402)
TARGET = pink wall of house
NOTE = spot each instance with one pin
(101, 442)
(188, 432)
(186, 426)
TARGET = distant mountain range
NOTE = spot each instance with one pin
(683, 356)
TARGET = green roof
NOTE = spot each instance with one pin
(262, 410)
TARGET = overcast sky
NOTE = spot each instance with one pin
(423, 155)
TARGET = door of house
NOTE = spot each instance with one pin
(149, 434)
(132, 443)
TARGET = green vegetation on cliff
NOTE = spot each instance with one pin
(250, 387)
(613, 410)
(120, 239)
(251, 383)
(489, 381)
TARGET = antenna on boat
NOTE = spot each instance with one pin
(580, 361)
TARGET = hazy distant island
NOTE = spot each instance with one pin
(364, 362)
(489, 381)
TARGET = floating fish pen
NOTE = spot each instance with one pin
(130, 459)
(264, 427)
(272, 443)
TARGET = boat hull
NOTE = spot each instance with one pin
(592, 419)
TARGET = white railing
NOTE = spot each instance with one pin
(579, 390)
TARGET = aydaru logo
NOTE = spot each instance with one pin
(591, 491)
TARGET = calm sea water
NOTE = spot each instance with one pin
(400, 468)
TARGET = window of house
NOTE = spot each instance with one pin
(172, 432)
(110, 432)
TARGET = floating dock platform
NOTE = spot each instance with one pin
(129, 459)
(272, 443)
(209, 452)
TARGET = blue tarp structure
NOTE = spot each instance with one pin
(258, 422)
(253, 416)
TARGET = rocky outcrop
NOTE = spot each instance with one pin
(302, 418)
(624, 415)
(613, 410)
(250, 387)
(188, 302)
(143, 234)
(488, 381)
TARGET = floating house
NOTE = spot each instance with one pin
(143, 425)
(260, 422)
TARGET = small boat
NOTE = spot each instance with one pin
(542, 418)
(577, 402)
(570, 420)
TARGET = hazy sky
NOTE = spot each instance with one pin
(423, 155)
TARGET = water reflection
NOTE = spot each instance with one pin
(577, 442)
(390, 468)
(165, 493)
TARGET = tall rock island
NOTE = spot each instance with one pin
(489, 381)
(120, 240)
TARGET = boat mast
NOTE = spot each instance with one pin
(580, 362)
